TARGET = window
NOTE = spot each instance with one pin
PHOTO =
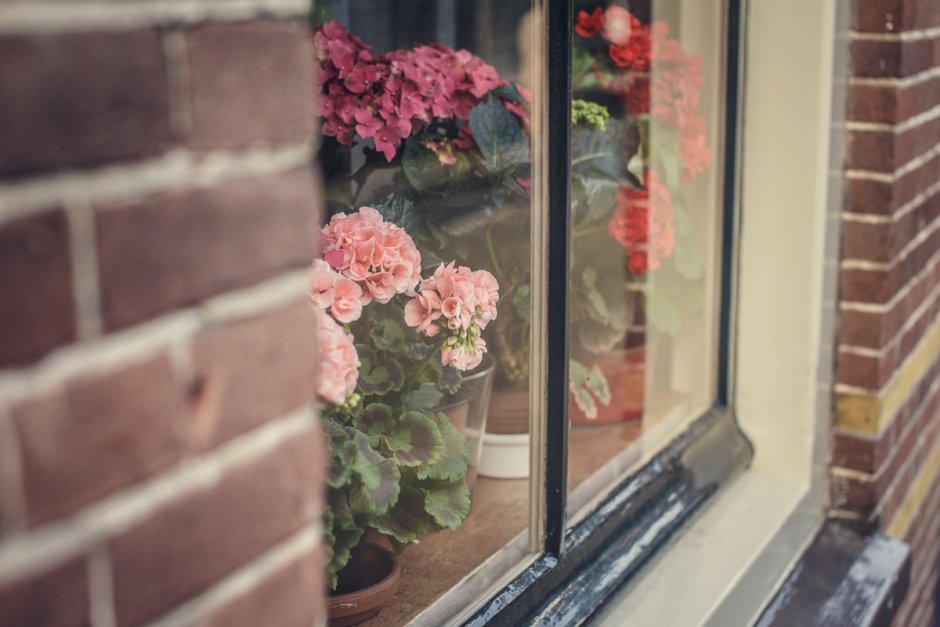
(525, 289)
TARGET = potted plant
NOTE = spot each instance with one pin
(393, 346)
(437, 142)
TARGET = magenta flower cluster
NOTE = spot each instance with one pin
(393, 96)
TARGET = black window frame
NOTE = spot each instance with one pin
(583, 565)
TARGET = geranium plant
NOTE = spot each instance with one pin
(393, 347)
(637, 101)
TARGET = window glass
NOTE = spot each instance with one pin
(645, 225)
(421, 289)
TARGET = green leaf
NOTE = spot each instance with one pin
(452, 464)
(342, 456)
(378, 479)
(499, 136)
(422, 167)
(387, 335)
(414, 439)
(588, 387)
(407, 521)
(508, 92)
(596, 337)
(600, 195)
(448, 502)
(342, 534)
(605, 154)
(400, 210)
(425, 397)
(378, 377)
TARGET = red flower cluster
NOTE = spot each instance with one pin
(672, 96)
(629, 39)
(393, 96)
(643, 223)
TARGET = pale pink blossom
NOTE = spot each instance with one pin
(322, 283)
(338, 367)
(330, 290)
(423, 310)
(378, 255)
(347, 300)
(464, 356)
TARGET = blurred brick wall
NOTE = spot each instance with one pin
(886, 443)
(160, 463)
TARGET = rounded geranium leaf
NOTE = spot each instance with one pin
(378, 485)
(452, 464)
(407, 520)
(448, 502)
(415, 439)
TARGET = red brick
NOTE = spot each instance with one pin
(291, 597)
(876, 15)
(871, 242)
(872, 150)
(81, 99)
(249, 82)
(182, 246)
(869, 286)
(185, 547)
(55, 598)
(98, 435)
(37, 311)
(855, 453)
(253, 371)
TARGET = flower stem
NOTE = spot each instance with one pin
(489, 245)
(423, 364)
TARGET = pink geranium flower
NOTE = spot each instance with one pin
(338, 367)
(380, 257)
(459, 303)
(330, 290)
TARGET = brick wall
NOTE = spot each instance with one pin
(886, 442)
(160, 463)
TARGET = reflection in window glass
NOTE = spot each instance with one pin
(421, 288)
(644, 230)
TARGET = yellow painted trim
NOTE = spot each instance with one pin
(929, 473)
(871, 412)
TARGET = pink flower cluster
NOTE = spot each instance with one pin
(393, 96)
(377, 256)
(338, 369)
(459, 302)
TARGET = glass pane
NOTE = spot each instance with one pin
(645, 224)
(423, 281)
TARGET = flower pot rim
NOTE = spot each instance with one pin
(365, 599)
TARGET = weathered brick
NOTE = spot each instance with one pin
(185, 547)
(290, 597)
(97, 435)
(37, 310)
(55, 598)
(249, 82)
(253, 371)
(81, 99)
(177, 248)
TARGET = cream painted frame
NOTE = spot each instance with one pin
(727, 564)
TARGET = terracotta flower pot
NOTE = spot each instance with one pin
(626, 375)
(378, 569)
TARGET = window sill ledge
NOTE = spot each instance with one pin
(844, 577)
